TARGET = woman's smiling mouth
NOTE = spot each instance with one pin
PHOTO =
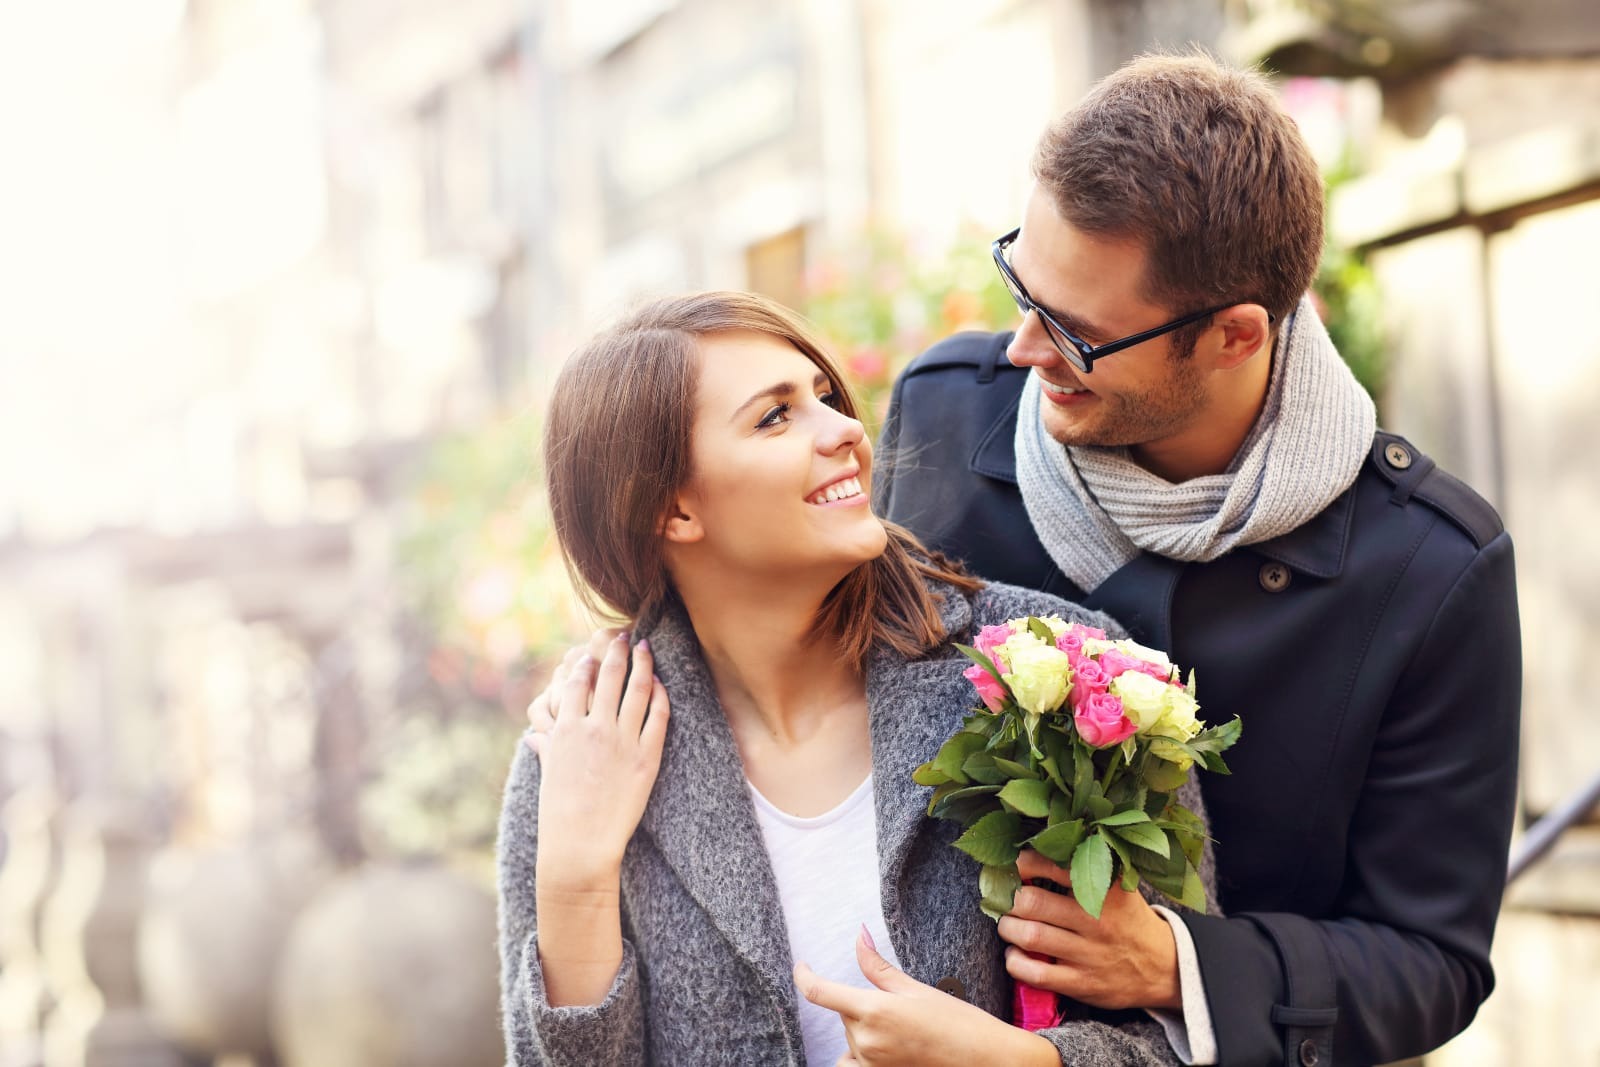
(843, 489)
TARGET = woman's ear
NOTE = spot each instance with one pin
(680, 526)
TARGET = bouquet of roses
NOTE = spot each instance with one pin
(1077, 752)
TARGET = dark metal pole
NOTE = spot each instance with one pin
(1542, 835)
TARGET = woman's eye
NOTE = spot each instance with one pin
(833, 400)
(777, 415)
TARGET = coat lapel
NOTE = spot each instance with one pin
(703, 821)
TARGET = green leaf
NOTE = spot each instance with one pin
(1145, 836)
(1130, 873)
(1028, 796)
(1082, 778)
(1015, 769)
(983, 724)
(1052, 769)
(1060, 808)
(953, 753)
(1058, 842)
(992, 839)
(1091, 874)
(1039, 629)
(928, 774)
(980, 767)
(956, 802)
(998, 885)
(1163, 777)
(1194, 894)
(1099, 807)
(1218, 738)
(1125, 818)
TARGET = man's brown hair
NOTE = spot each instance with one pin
(1200, 164)
(617, 449)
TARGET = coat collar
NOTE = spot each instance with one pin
(1316, 548)
(703, 821)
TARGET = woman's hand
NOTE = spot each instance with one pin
(597, 765)
(542, 709)
(903, 1022)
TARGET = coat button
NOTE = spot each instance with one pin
(1274, 577)
(1398, 455)
(1308, 1053)
(952, 986)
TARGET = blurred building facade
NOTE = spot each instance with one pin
(309, 237)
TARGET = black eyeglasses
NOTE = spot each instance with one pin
(1078, 352)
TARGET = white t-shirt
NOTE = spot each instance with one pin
(827, 871)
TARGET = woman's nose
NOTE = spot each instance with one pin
(841, 433)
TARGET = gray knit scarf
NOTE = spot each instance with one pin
(1095, 509)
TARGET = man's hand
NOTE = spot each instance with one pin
(902, 1021)
(1125, 959)
(542, 710)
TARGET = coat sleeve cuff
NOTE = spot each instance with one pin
(609, 1033)
(1188, 1031)
(1137, 1043)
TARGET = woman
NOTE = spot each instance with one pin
(757, 882)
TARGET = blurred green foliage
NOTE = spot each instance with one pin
(1347, 298)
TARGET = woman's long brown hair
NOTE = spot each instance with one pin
(617, 450)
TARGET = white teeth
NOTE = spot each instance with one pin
(1060, 390)
(842, 490)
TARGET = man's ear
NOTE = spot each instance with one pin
(1245, 332)
(680, 525)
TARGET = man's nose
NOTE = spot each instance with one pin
(1031, 346)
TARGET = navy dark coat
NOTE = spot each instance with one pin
(1374, 657)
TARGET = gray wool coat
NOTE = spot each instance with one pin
(706, 969)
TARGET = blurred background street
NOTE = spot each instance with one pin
(283, 284)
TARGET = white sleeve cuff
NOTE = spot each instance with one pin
(1188, 1031)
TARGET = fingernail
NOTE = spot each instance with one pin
(866, 935)
(622, 635)
(644, 644)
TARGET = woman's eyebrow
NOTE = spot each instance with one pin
(776, 392)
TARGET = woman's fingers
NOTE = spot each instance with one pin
(575, 692)
(654, 732)
(835, 996)
(608, 680)
(540, 721)
(600, 642)
(636, 697)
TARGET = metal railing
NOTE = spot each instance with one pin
(1542, 835)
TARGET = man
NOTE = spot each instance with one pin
(1170, 437)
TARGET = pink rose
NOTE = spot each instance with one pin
(1100, 721)
(1086, 632)
(991, 638)
(1071, 643)
(1088, 678)
(988, 687)
(1115, 662)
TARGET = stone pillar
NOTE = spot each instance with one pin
(33, 864)
(90, 938)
